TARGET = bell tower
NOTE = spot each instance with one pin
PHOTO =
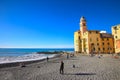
(83, 27)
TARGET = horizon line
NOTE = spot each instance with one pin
(34, 48)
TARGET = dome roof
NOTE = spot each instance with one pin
(82, 18)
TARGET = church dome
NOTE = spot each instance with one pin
(82, 18)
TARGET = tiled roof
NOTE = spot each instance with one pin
(94, 30)
(106, 35)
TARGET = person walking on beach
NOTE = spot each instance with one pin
(67, 55)
(47, 59)
(62, 68)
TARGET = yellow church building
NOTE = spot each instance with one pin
(116, 34)
(92, 41)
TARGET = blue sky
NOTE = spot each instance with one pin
(52, 23)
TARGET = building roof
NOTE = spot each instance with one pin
(117, 27)
(106, 35)
(93, 31)
(82, 18)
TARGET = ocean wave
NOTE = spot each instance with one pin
(28, 57)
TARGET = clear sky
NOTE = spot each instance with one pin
(52, 23)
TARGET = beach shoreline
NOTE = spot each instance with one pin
(86, 68)
(18, 63)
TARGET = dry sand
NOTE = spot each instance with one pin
(86, 68)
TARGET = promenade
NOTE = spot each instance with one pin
(86, 68)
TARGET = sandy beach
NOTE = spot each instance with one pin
(86, 68)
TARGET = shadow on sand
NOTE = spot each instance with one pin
(79, 73)
(73, 59)
(53, 62)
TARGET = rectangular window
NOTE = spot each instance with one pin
(97, 44)
(97, 39)
(96, 32)
(90, 39)
(115, 31)
(108, 43)
(103, 39)
(115, 28)
(80, 40)
(94, 49)
(103, 49)
(99, 49)
(103, 43)
(92, 44)
(107, 39)
(79, 37)
(116, 37)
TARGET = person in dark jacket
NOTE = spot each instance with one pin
(62, 68)
(47, 59)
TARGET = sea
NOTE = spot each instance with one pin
(11, 55)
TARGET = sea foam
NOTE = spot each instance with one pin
(28, 57)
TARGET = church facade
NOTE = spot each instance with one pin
(92, 41)
(116, 34)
